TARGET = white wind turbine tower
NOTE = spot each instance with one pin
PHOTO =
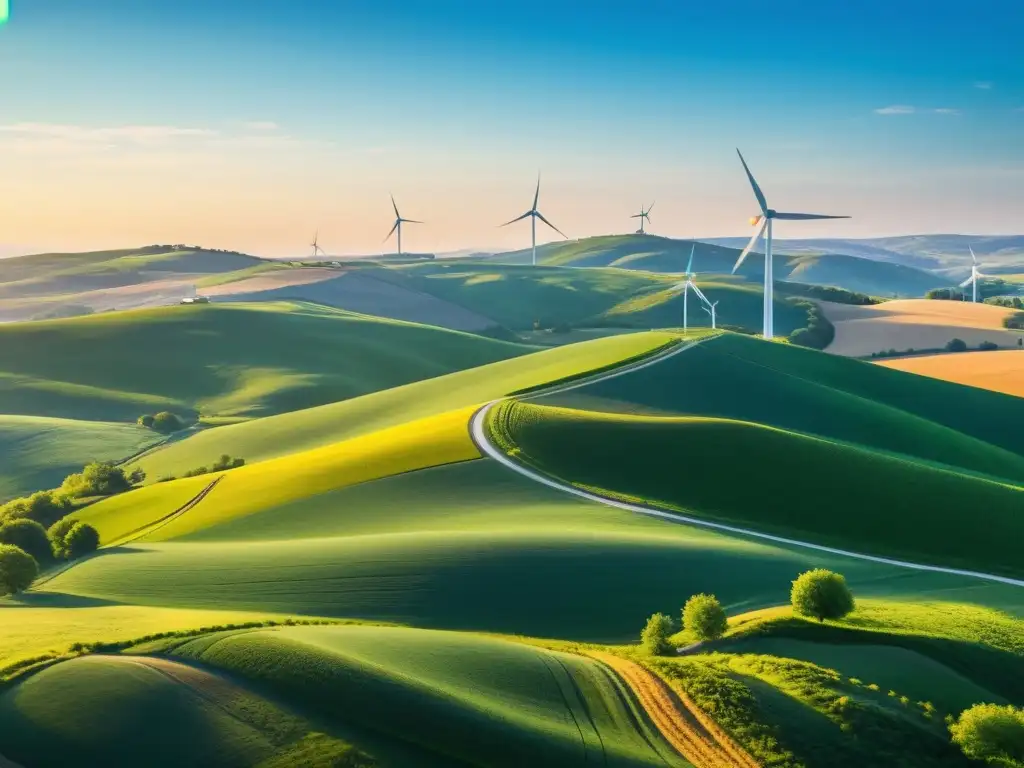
(399, 221)
(765, 219)
(316, 244)
(642, 216)
(534, 214)
(710, 309)
(973, 279)
(686, 286)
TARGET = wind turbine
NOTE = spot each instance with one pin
(686, 286)
(534, 214)
(710, 309)
(765, 219)
(316, 245)
(643, 215)
(398, 221)
(973, 279)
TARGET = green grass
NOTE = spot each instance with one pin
(221, 360)
(738, 377)
(40, 452)
(821, 491)
(471, 546)
(240, 274)
(278, 435)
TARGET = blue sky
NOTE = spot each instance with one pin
(247, 124)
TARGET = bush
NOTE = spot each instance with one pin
(956, 345)
(97, 479)
(991, 732)
(166, 422)
(146, 421)
(58, 531)
(704, 617)
(655, 637)
(18, 570)
(822, 594)
(80, 540)
(45, 507)
(137, 476)
(819, 332)
(988, 346)
(28, 536)
(945, 294)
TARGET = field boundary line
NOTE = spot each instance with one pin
(478, 432)
(159, 523)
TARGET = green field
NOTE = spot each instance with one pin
(236, 360)
(40, 452)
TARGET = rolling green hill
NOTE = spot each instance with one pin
(238, 360)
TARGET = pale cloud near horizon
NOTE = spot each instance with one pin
(906, 109)
(946, 111)
(131, 133)
(261, 125)
(984, 85)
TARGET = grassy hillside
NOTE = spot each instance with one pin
(863, 275)
(314, 427)
(220, 360)
(824, 491)
(40, 452)
(746, 379)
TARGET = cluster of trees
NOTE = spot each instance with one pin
(825, 293)
(164, 422)
(26, 547)
(820, 594)
(959, 345)
(223, 463)
(1013, 302)
(1014, 322)
(100, 479)
(987, 289)
(819, 332)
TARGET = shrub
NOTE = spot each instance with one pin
(45, 507)
(80, 540)
(991, 732)
(18, 569)
(819, 332)
(146, 420)
(655, 637)
(821, 594)
(988, 346)
(97, 479)
(704, 617)
(28, 536)
(956, 345)
(137, 476)
(58, 531)
(167, 422)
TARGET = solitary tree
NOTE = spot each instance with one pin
(18, 569)
(704, 617)
(655, 637)
(146, 420)
(80, 540)
(165, 421)
(822, 594)
(991, 732)
(28, 536)
(956, 345)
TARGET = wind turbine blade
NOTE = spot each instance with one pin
(973, 257)
(638, 216)
(391, 232)
(750, 245)
(518, 218)
(541, 217)
(395, 206)
(650, 207)
(966, 282)
(707, 309)
(412, 221)
(753, 183)
(699, 293)
(536, 195)
(689, 264)
(804, 216)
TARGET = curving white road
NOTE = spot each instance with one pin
(478, 431)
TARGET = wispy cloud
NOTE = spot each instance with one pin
(984, 85)
(261, 125)
(896, 109)
(946, 111)
(139, 134)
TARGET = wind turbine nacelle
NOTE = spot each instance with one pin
(755, 220)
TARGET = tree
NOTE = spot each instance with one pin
(137, 476)
(146, 420)
(28, 536)
(655, 636)
(991, 732)
(956, 345)
(57, 533)
(97, 479)
(45, 507)
(822, 594)
(704, 617)
(988, 346)
(18, 569)
(80, 540)
(166, 422)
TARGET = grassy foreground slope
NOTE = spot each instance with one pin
(730, 471)
(40, 452)
(289, 433)
(746, 379)
(221, 360)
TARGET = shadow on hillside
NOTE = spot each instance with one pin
(55, 600)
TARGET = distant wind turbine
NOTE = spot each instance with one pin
(399, 221)
(642, 216)
(973, 279)
(710, 309)
(686, 286)
(534, 214)
(765, 219)
(316, 244)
